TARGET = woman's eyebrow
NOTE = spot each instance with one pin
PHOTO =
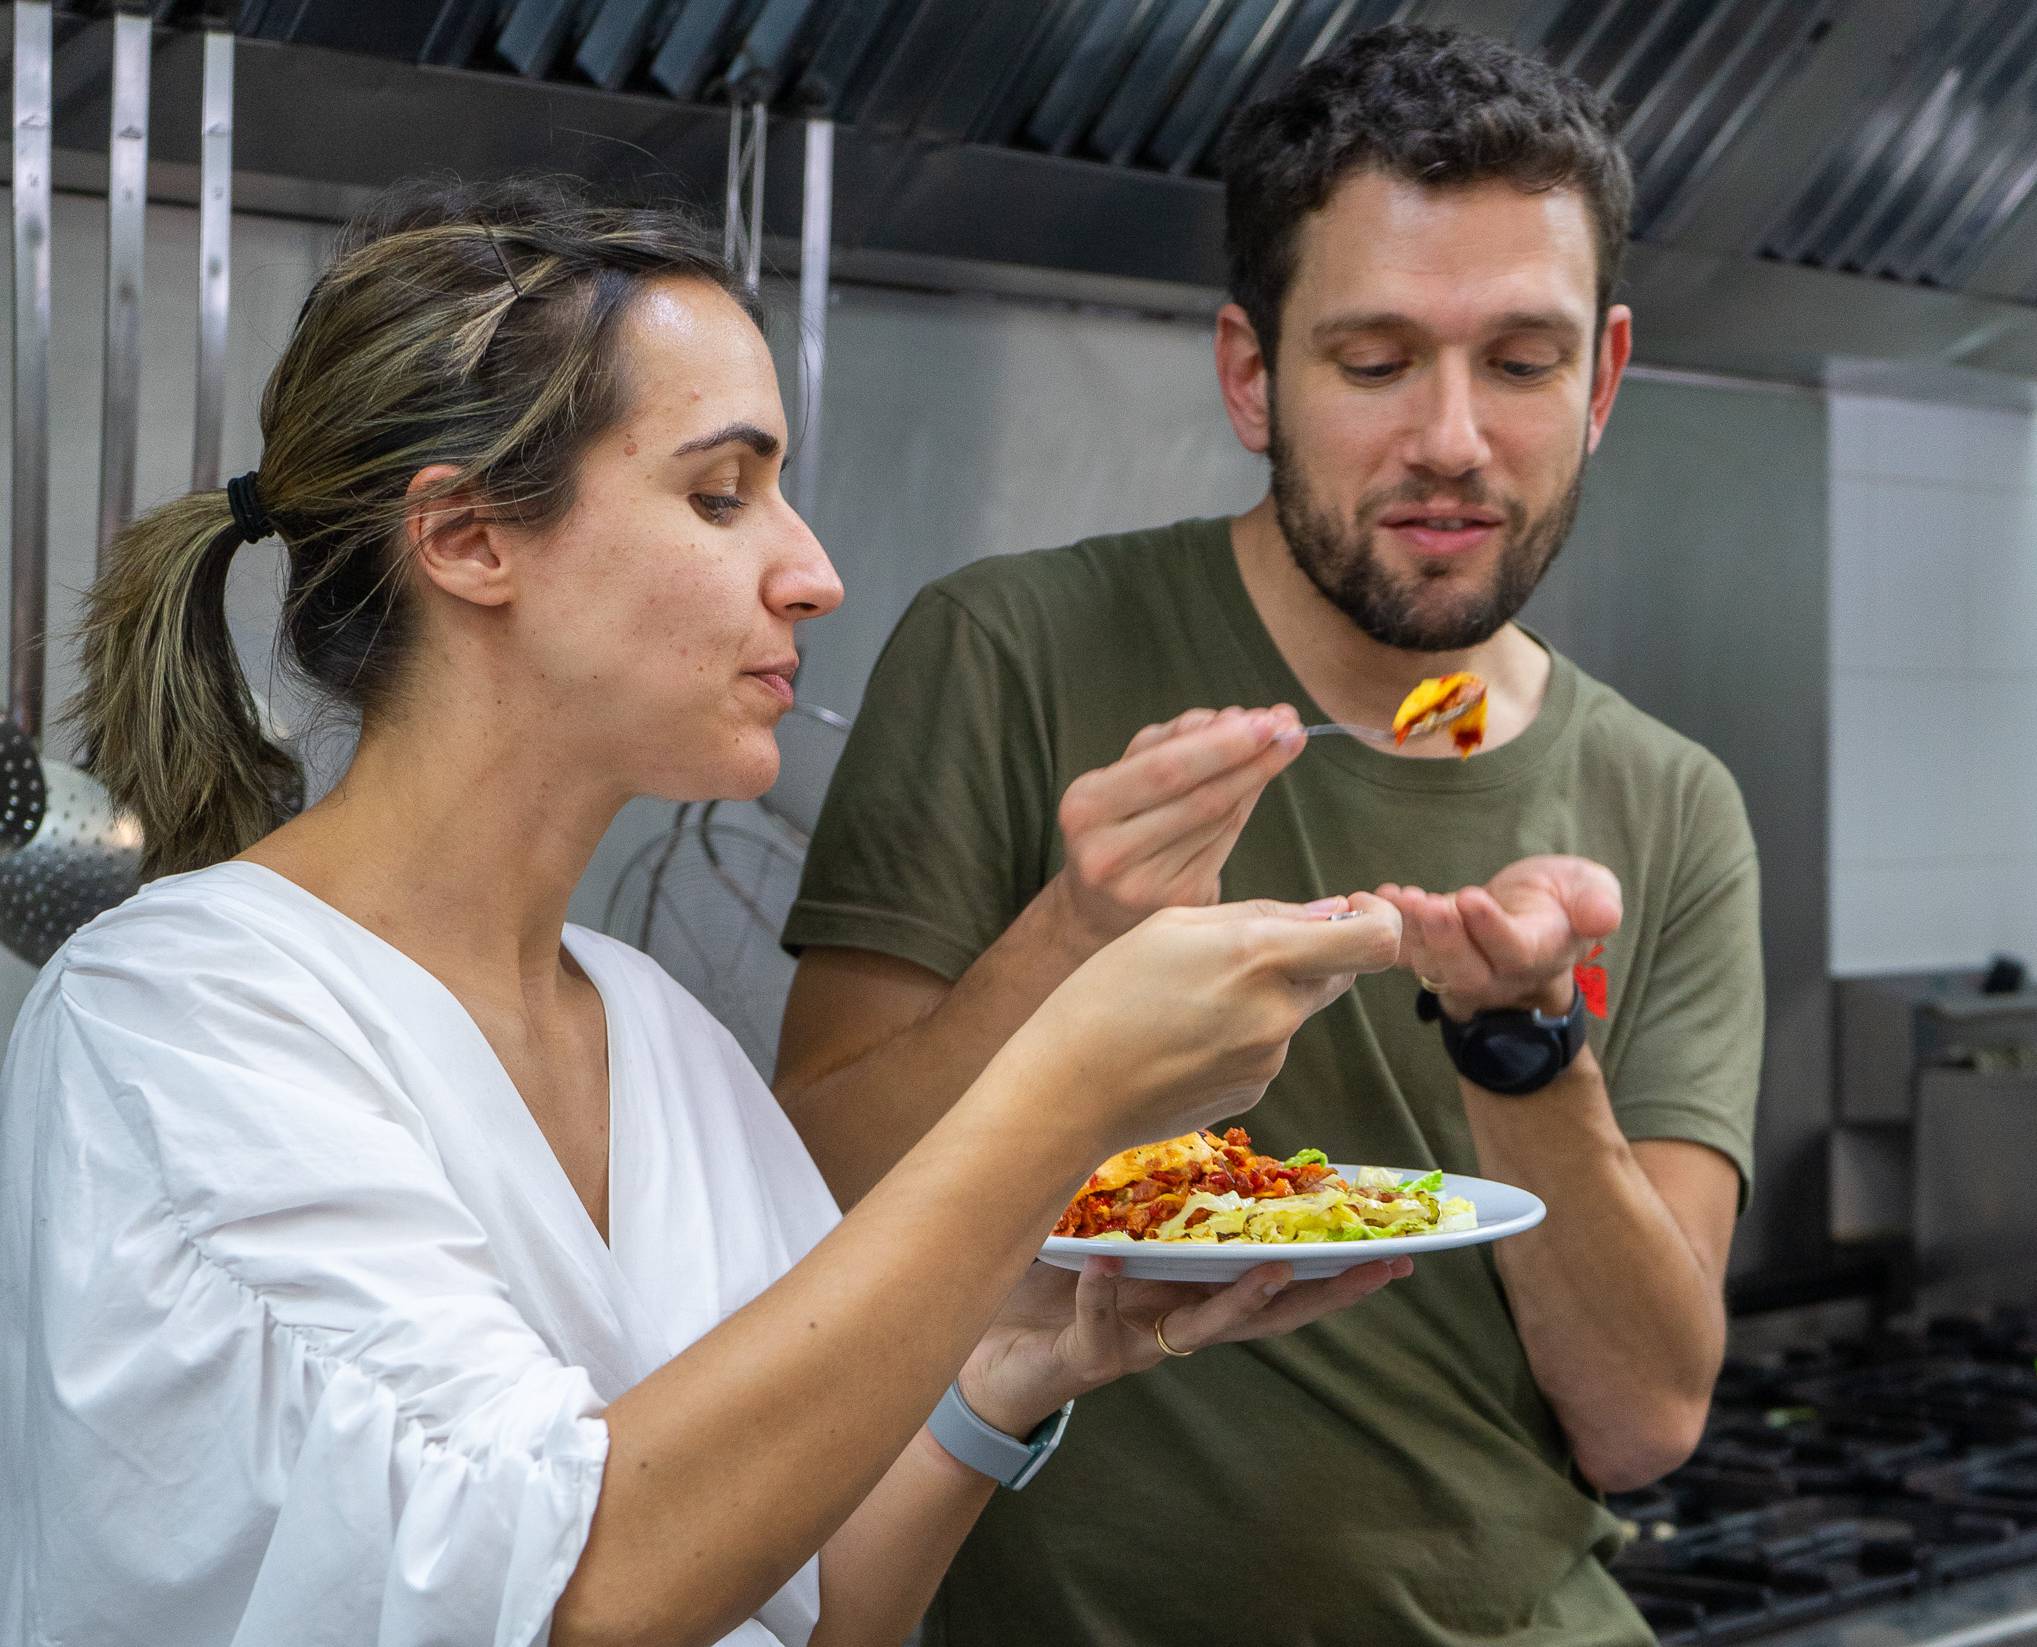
(760, 441)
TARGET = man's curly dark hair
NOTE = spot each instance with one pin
(1434, 106)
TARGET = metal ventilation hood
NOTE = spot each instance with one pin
(1829, 190)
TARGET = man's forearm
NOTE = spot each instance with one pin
(859, 1118)
(1622, 1319)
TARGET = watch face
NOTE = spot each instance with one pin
(1510, 1058)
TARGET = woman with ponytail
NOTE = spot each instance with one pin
(383, 1259)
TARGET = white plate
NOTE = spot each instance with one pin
(1503, 1210)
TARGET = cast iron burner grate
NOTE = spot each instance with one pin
(1836, 1478)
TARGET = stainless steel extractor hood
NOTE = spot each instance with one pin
(1828, 189)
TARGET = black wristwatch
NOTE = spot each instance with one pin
(1512, 1053)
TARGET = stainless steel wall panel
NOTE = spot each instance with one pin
(1706, 603)
(1974, 1219)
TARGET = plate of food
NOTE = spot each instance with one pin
(1207, 1208)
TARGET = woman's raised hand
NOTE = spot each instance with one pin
(1187, 1017)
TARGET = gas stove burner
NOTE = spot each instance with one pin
(1795, 1454)
(1758, 1572)
(1835, 1477)
(2002, 1481)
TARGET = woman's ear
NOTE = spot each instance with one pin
(453, 542)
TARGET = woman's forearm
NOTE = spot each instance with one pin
(879, 1572)
(734, 1462)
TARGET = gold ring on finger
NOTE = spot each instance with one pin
(1160, 1338)
(1429, 984)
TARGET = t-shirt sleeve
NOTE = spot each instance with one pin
(936, 828)
(280, 1384)
(1692, 1066)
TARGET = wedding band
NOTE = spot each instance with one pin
(1429, 984)
(1160, 1338)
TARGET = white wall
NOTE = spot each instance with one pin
(1934, 684)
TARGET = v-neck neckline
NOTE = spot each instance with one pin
(612, 1049)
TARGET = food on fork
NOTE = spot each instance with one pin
(1200, 1187)
(1456, 702)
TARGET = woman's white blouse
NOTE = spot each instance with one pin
(304, 1334)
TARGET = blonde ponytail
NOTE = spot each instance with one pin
(165, 715)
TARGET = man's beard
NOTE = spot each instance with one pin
(1412, 612)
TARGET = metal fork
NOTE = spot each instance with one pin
(1364, 734)
(1385, 739)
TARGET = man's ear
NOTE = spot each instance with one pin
(1615, 348)
(453, 542)
(1245, 378)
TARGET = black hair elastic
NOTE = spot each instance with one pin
(249, 518)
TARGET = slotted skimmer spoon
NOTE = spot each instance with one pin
(75, 855)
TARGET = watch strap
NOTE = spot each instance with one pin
(987, 1449)
(1563, 1033)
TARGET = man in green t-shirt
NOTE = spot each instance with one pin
(1425, 230)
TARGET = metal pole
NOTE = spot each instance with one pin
(815, 222)
(126, 209)
(732, 199)
(753, 269)
(215, 253)
(742, 229)
(34, 48)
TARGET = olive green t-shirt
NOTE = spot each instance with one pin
(1390, 1476)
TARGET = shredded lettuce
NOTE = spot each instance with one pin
(1307, 1158)
(1332, 1213)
